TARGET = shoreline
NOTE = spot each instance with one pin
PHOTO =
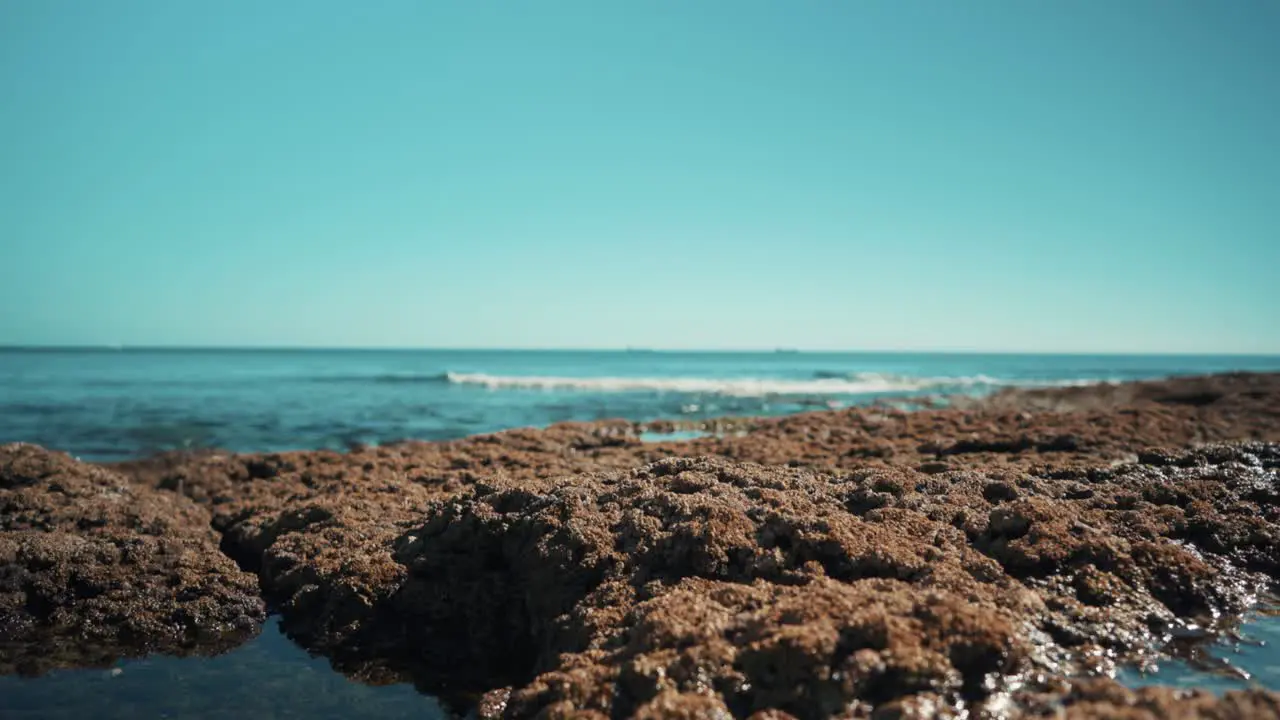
(1101, 396)
(875, 558)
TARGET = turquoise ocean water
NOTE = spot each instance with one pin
(114, 404)
(105, 405)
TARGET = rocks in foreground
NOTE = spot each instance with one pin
(699, 586)
(1103, 699)
(720, 587)
(868, 562)
(93, 567)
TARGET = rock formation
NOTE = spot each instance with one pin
(997, 557)
(94, 567)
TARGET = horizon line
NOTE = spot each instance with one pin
(776, 350)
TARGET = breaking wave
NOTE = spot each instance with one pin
(924, 383)
(821, 384)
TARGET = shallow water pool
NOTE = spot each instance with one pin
(269, 677)
(1251, 663)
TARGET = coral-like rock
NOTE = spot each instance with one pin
(93, 567)
(861, 563)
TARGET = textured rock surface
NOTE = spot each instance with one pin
(769, 588)
(746, 587)
(1105, 699)
(93, 568)
(868, 562)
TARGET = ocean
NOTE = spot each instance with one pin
(106, 404)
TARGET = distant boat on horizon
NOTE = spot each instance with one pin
(786, 351)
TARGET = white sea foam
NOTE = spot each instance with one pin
(853, 384)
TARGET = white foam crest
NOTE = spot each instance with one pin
(856, 384)
(924, 383)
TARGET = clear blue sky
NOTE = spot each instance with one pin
(1074, 176)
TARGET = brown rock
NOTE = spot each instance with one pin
(606, 593)
(1106, 700)
(830, 579)
(93, 568)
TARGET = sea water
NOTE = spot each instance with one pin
(269, 677)
(104, 405)
(107, 405)
(1252, 660)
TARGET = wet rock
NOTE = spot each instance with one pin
(93, 567)
(1106, 700)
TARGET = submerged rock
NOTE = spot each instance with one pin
(93, 568)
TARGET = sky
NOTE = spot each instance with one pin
(920, 175)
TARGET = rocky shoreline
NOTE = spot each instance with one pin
(996, 557)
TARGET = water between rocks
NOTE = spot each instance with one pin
(269, 677)
(1254, 661)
